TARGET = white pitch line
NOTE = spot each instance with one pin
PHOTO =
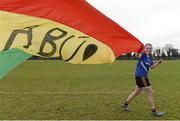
(60, 93)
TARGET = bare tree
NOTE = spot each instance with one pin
(168, 50)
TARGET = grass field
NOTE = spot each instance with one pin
(58, 90)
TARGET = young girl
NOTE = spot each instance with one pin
(145, 62)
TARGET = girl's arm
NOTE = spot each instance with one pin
(156, 64)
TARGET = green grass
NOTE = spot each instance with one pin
(59, 90)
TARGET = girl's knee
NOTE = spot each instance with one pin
(150, 93)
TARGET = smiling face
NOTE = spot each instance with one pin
(148, 48)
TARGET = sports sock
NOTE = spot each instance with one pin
(153, 109)
(126, 103)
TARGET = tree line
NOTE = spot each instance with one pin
(168, 52)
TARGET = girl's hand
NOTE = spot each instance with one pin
(138, 55)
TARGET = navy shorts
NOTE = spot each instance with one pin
(142, 81)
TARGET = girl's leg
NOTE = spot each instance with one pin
(135, 93)
(149, 92)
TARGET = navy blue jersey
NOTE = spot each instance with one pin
(143, 65)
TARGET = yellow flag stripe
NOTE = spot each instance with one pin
(47, 38)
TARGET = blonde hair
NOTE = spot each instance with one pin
(147, 45)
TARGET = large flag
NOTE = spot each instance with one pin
(69, 29)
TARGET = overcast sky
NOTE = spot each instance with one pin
(154, 21)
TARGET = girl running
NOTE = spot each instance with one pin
(145, 61)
